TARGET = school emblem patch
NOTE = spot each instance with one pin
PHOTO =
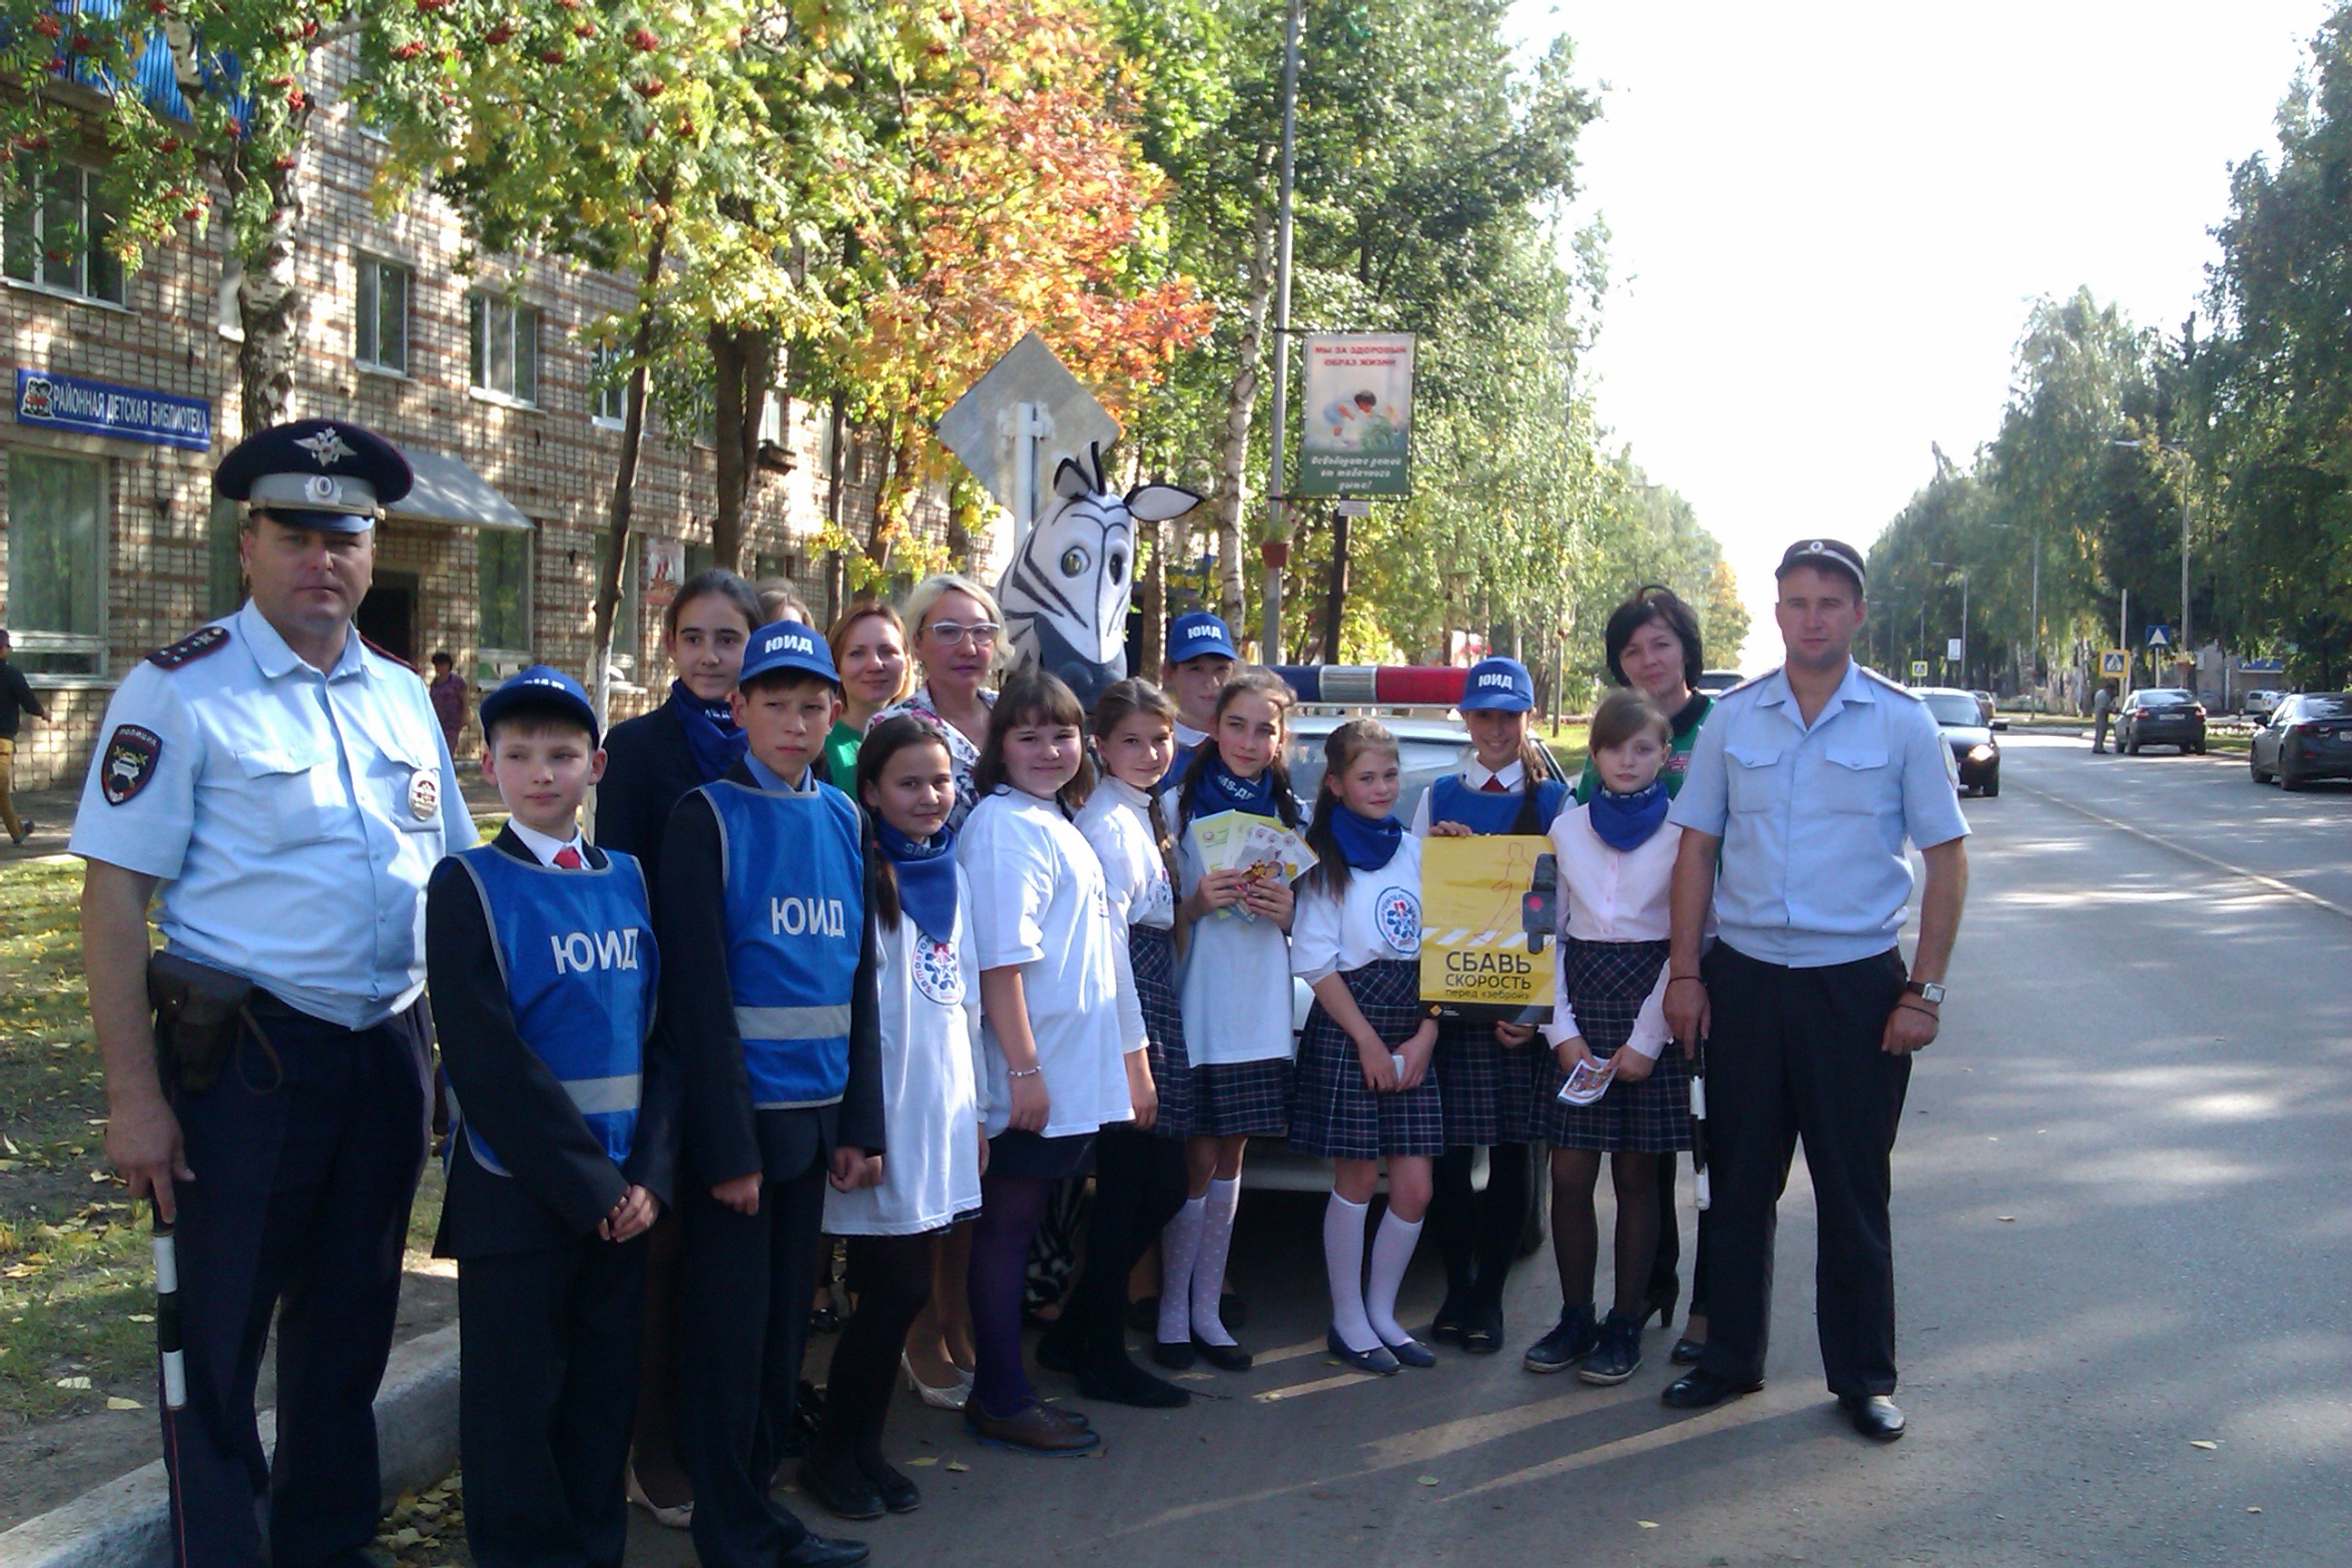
(939, 972)
(424, 794)
(1398, 914)
(128, 763)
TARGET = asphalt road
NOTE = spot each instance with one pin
(2123, 1230)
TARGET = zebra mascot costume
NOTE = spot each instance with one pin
(1066, 594)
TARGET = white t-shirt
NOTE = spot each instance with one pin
(1376, 921)
(1116, 822)
(1614, 895)
(1038, 902)
(931, 1107)
(1236, 990)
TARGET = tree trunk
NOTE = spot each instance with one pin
(837, 566)
(268, 300)
(742, 364)
(618, 510)
(1335, 602)
(1241, 404)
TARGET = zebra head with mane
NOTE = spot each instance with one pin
(1065, 595)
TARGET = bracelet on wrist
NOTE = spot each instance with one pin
(1022, 1072)
(1671, 979)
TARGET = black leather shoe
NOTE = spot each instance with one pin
(1224, 1358)
(1111, 1377)
(822, 1551)
(1176, 1356)
(900, 1495)
(1058, 1351)
(1874, 1415)
(1482, 1328)
(839, 1486)
(1447, 1327)
(1686, 1351)
(1698, 1388)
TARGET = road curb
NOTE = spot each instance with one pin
(126, 1523)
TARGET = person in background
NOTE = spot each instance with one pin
(870, 649)
(1651, 644)
(1200, 658)
(652, 762)
(1804, 789)
(2103, 708)
(16, 698)
(955, 633)
(779, 602)
(448, 690)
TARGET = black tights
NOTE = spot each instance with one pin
(1478, 1233)
(891, 1278)
(1576, 1232)
(1139, 1186)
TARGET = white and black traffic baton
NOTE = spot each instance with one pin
(167, 1315)
(1699, 1123)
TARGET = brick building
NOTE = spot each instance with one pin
(125, 395)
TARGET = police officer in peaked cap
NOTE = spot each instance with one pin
(283, 789)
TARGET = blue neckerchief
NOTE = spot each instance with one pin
(926, 870)
(1625, 822)
(1222, 789)
(1367, 843)
(713, 738)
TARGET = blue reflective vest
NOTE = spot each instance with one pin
(795, 914)
(1492, 811)
(577, 951)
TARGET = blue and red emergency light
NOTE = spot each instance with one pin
(1393, 685)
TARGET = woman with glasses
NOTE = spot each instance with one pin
(955, 627)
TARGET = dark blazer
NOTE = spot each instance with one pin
(648, 770)
(723, 1137)
(563, 1184)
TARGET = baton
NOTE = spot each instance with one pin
(167, 1315)
(1698, 1124)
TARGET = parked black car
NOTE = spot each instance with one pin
(2160, 716)
(2308, 736)
(1959, 715)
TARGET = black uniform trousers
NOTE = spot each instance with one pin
(306, 1152)
(546, 1392)
(1793, 1054)
(743, 1321)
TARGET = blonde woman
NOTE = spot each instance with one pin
(955, 633)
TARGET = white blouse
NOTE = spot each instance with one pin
(930, 1105)
(1613, 896)
(1376, 921)
(1117, 825)
(1038, 902)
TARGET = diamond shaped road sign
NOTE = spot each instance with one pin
(1028, 394)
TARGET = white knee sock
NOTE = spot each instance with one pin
(1179, 1249)
(1343, 1259)
(1392, 1251)
(1218, 1205)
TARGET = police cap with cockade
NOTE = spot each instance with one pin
(330, 473)
(1833, 553)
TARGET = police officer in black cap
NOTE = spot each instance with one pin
(284, 791)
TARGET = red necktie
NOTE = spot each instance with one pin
(569, 858)
(1494, 787)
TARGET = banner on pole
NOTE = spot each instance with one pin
(1359, 406)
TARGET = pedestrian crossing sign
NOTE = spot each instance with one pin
(2114, 661)
(1918, 670)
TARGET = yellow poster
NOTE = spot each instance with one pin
(1489, 914)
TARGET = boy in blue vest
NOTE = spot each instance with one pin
(768, 986)
(541, 961)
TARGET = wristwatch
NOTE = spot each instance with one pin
(1926, 990)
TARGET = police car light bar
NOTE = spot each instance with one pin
(1398, 685)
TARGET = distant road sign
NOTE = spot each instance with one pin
(2160, 636)
(1918, 670)
(2263, 666)
(1956, 649)
(2114, 661)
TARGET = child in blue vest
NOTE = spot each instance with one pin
(1484, 1071)
(770, 989)
(541, 960)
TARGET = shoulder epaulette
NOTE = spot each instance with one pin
(188, 649)
(1751, 680)
(381, 651)
(1890, 685)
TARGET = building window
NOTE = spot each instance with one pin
(380, 325)
(502, 574)
(55, 237)
(226, 575)
(608, 387)
(57, 525)
(505, 343)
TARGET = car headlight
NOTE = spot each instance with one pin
(1981, 753)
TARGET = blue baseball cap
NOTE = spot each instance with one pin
(787, 646)
(541, 687)
(1499, 684)
(1197, 633)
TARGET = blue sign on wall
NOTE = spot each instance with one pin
(102, 409)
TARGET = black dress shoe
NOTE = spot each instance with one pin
(822, 1551)
(1113, 1378)
(1698, 1388)
(839, 1486)
(1874, 1415)
(900, 1495)
(1175, 1355)
(1686, 1351)
(1447, 1327)
(1057, 1351)
(1482, 1328)
(1224, 1358)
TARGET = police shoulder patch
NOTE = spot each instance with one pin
(128, 762)
(188, 649)
(1890, 684)
(381, 651)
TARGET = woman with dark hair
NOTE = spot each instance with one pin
(651, 762)
(1651, 644)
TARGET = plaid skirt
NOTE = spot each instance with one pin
(1483, 1085)
(1152, 953)
(1607, 984)
(1332, 1113)
(1230, 1099)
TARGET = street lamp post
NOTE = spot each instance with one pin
(1943, 566)
(2188, 647)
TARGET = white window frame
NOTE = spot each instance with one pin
(484, 311)
(367, 346)
(86, 197)
(603, 358)
(91, 645)
(488, 651)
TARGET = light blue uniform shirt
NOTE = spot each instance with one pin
(293, 817)
(1813, 819)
